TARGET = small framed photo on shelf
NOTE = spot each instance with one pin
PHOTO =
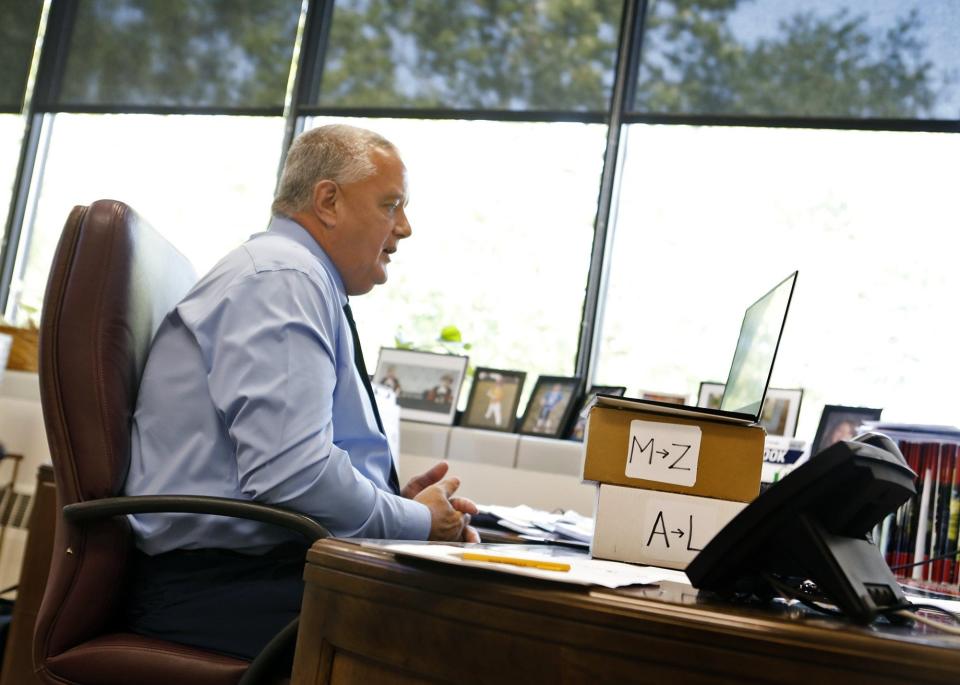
(551, 404)
(579, 426)
(493, 400)
(781, 409)
(666, 397)
(710, 394)
(427, 384)
(840, 423)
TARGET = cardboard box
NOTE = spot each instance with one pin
(656, 528)
(646, 448)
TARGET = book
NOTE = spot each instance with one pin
(920, 532)
(942, 514)
(953, 523)
(921, 541)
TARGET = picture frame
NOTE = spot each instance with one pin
(494, 398)
(839, 422)
(427, 384)
(710, 394)
(781, 406)
(550, 406)
(667, 397)
(578, 427)
(781, 410)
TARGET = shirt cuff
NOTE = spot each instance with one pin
(415, 520)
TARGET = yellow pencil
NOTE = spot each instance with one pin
(532, 563)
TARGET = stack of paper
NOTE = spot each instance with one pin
(535, 522)
(545, 564)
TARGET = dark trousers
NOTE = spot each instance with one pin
(216, 599)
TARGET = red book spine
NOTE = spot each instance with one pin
(931, 474)
(899, 520)
(953, 516)
(942, 514)
(952, 569)
(908, 529)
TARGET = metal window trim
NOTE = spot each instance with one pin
(766, 121)
(464, 114)
(163, 110)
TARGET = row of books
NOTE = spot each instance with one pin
(920, 541)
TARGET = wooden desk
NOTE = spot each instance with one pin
(370, 618)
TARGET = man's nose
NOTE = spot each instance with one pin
(403, 228)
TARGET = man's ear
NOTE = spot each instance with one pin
(326, 195)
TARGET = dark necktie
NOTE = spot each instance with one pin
(362, 370)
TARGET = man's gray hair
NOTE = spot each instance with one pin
(337, 152)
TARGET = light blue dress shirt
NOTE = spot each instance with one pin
(250, 391)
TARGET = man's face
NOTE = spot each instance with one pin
(371, 220)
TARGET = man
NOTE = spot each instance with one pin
(252, 391)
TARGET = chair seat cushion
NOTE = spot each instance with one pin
(123, 658)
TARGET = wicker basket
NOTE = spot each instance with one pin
(24, 352)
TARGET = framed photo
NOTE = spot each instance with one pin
(427, 384)
(550, 406)
(781, 407)
(710, 394)
(667, 397)
(580, 425)
(493, 399)
(840, 423)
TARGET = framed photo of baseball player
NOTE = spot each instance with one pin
(493, 400)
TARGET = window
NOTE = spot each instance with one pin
(803, 58)
(205, 182)
(18, 33)
(471, 54)
(709, 218)
(233, 54)
(502, 217)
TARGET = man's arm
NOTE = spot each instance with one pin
(272, 377)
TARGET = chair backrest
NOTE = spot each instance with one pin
(112, 281)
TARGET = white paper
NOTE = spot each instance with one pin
(526, 520)
(583, 571)
(948, 604)
(663, 452)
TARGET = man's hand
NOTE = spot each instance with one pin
(433, 475)
(449, 516)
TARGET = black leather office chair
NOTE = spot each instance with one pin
(112, 281)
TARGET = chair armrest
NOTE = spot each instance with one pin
(195, 504)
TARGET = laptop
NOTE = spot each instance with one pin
(750, 370)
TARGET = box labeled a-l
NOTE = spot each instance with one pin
(656, 528)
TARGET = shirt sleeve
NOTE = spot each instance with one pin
(272, 374)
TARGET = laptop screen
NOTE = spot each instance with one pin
(756, 349)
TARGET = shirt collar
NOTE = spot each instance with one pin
(289, 228)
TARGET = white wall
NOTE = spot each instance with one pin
(21, 427)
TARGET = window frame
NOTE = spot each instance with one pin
(312, 43)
